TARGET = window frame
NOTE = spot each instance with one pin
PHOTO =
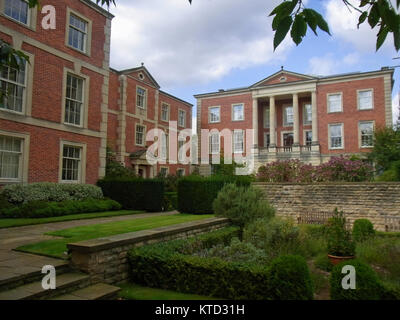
(305, 122)
(328, 101)
(372, 99)
(184, 118)
(181, 156)
(330, 137)
(233, 112)
(243, 142)
(360, 133)
(167, 170)
(305, 137)
(266, 123)
(181, 170)
(82, 165)
(84, 103)
(145, 98)
(210, 143)
(88, 40)
(31, 17)
(143, 144)
(284, 116)
(209, 114)
(283, 133)
(164, 104)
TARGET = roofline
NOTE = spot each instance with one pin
(390, 70)
(125, 71)
(176, 98)
(98, 8)
(283, 71)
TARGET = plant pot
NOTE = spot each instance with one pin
(338, 259)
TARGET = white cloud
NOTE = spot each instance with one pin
(329, 64)
(183, 44)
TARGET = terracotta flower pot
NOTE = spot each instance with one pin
(338, 259)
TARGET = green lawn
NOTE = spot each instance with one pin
(9, 223)
(57, 247)
(136, 292)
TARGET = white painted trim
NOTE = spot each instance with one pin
(328, 105)
(144, 134)
(88, 40)
(233, 105)
(209, 114)
(329, 136)
(359, 132)
(372, 99)
(82, 169)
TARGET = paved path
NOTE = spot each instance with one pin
(14, 263)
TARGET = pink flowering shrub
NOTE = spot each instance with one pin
(337, 169)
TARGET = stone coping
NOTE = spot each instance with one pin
(100, 244)
(329, 183)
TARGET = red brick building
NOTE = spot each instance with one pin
(65, 107)
(297, 116)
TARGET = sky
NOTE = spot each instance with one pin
(225, 44)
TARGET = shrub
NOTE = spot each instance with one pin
(363, 229)
(115, 169)
(289, 279)
(46, 191)
(323, 262)
(168, 265)
(170, 201)
(392, 174)
(137, 194)
(339, 238)
(241, 205)
(196, 194)
(368, 286)
(275, 236)
(386, 147)
(286, 171)
(44, 209)
(4, 204)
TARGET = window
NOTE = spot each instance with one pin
(238, 112)
(214, 115)
(10, 157)
(164, 147)
(266, 118)
(181, 153)
(165, 112)
(288, 139)
(367, 134)
(17, 10)
(71, 163)
(336, 136)
(182, 118)
(140, 135)
(308, 138)
(365, 100)
(307, 114)
(288, 116)
(77, 35)
(267, 140)
(141, 98)
(12, 86)
(238, 141)
(335, 102)
(163, 171)
(180, 172)
(74, 100)
(214, 143)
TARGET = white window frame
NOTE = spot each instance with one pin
(181, 153)
(305, 122)
(180, 124)
(330, 138)
(144, 107)
(209, 114)
(211, 143)
(267, 123)
(88, 37)
(360, 134)
(358, 99)
(237, 151)
(233, 112)
(283, 133)
(168, 111)
(31, 16)
(143, 137)
(83, 102)
(284, 119)
(82, 161)
(164, 152)
(328, 101)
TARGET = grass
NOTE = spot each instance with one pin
(57, 247)
(135, 292)
(10, 223)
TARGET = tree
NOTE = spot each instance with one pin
(386, 148)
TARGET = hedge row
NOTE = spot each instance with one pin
(137, 194)
(197, 194)
(44, 209)
(172, 266)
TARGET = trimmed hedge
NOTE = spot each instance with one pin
(363, 229)
(136, 194)
(172, 265)
(47, 191)
(44, 209)
(196, 194)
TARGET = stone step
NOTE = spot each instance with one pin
(28, 274)
(100, 291)
(65, 283)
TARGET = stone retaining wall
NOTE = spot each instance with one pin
(374, 201)
(105, 259)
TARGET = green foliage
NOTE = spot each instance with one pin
(136, 194)
(363, 229)
(170, 201)
(368, 286)
(44, 209)
(323, 262)
(242, 205)
(386, 148)
(196, 194)
(172, 265)
(115, 169)
(224, 169)
(339, 238)
(289, 279)
(392, 174)
(46, 191)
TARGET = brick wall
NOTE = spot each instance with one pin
(373, 201)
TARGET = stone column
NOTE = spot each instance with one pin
(255, 123)
(296, 124)
(137, 169)
(272, 121)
